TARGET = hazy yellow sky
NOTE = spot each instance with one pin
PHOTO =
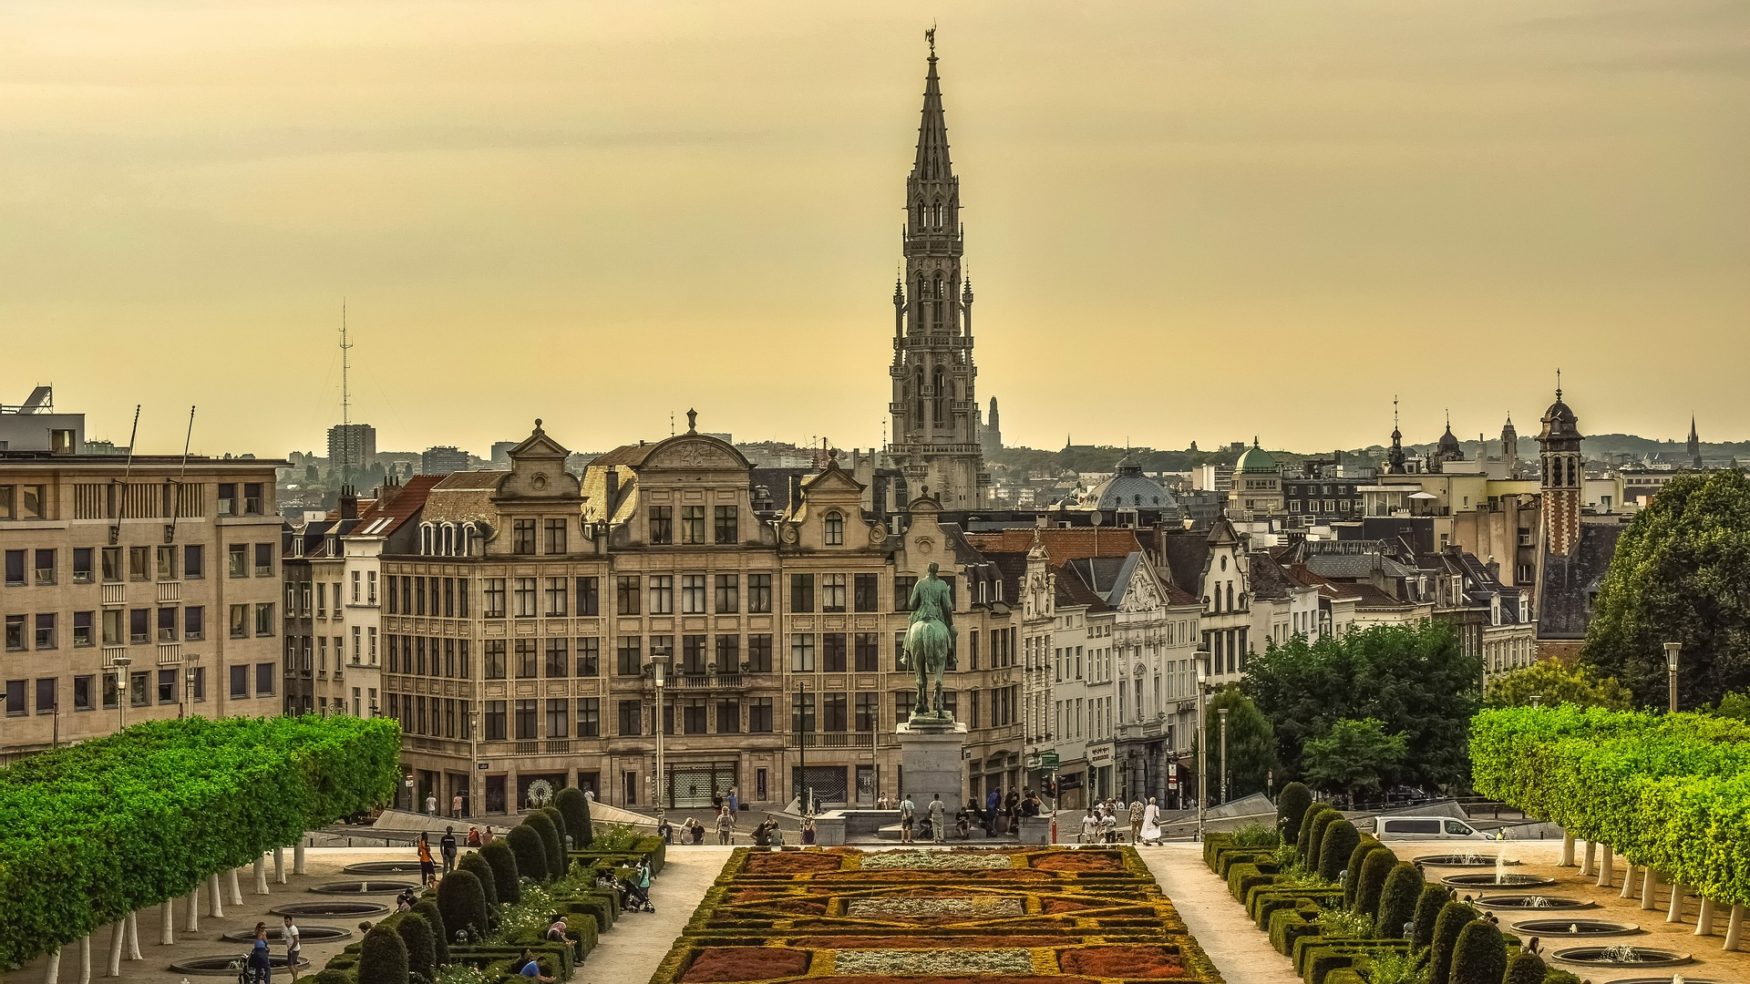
(1185, 220)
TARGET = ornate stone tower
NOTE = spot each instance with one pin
(1510, 447)
(1562, 474)
(1694, 446)
(1394, 458)
(936, 439)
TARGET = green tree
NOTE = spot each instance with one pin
(1353, 757)
(462, 904)
(1335, 847)
(1479, 956)
(505, 874)
(1735, 706)
(1416, 680)
(473, 862)
(417, 934)
(1251, 744)
(1397, 901)
(1553, 682)
(1453, 918)
(574, 806)
(382, 957)
(530, 848)
(1291, 806)
(1678, 576)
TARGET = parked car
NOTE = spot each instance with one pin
(1427, 828)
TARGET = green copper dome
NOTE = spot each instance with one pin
(1255, 461)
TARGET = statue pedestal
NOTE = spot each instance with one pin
(932, 759)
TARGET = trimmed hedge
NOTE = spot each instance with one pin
(1306, 845)
(1376, 866)
(1398, 899)
(383, 957)
(1428, 906)
(1291, 806)
(428, 908)
(417, 935)
(476, 865)
(542, 824)
(1670, 791)
(1525, 968)
(1336, 844)
(574, 807)
(1364, 846)
(1480, 956)
(94, 831)
(463, 904)
(504, 872)
(531, 851)
(1453, 918)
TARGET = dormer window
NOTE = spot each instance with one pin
(835, 529)
(425, 538)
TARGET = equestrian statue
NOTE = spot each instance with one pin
(929, 644)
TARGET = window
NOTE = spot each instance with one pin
(167, 563)
(693, 655)
(493, 655)
(494, 597)
(868, 711)
(167, 686)
(589, 595)
(693, 524)
(525, 597)
(802, 713)
(14, 633)
(902, 705)
(264, 619)
(322, 601)
(522, 536)
(140, 563)
(555, 535)
(868, 652)
(112, 627)
(802, 652)
(371, 588)
(759, 716)
(727, 525)
(662, 594)
(589, 657)
(835, 529)
(834, 712)
(236, 560)
(82, 629)
(802, 592)
(526, 724)
(728, 594)
(372, 653)
(865, 589)
(82, 693)
(589, 717)
(631, 717)
(832, 591)
(252, 502)
(759, 594)
(626, 594)
(558, 662)
(759, 654)
(661, 527)
(629, 658)
(558, 718)
(494, 721)
(140, 625)
(167, 624)
(239, 682)
(15, 697)
(15, 568)
(194, 561)
(111, 558)
(832, 651)
(728, 654)
(556, 595)
(264, 563)
(693, 594)
(45, 567)
(227, 499)
(693, 711)
(728, 716)
(527, 661)
(902, 586)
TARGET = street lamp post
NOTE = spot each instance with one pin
(121, 691)
(188, 675)
(659, 672)
(1671, 650)
(473, 804)
(801, 748)
(1202, 740)
(1221, 713)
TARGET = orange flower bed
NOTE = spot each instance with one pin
(792, 862)
(927, 942)
(1147, 962)
(1078, 861)
(746, 963)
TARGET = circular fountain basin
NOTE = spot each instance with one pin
(306, 934)
(1459, 861)
(1497, 881)
(1533, 903)
(228, 965)
(408, 867)
(1574, 927)
(378, 887)
(333, 908)
(1621, 956)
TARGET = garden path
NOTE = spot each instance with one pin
(639, 941)
(1240, 951)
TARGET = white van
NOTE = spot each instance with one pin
(1427, 828)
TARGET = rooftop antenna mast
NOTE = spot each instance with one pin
(345, 400)
(121, 484)
(174, 487)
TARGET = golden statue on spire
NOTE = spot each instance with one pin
(930, 36)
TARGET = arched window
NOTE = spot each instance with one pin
(835, 529)
(448, 548)
(469, 535)
(936, 313)
(425, 538)
(940, 394)
(1230, 596)
(917, 396)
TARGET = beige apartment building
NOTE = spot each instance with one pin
(523, 610)
(132, 591)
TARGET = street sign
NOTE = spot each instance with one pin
(1048, 760)
(1033, 763)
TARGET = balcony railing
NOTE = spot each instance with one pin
(835, 739)
(169, 592)
(115, 595)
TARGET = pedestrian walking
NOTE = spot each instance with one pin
(294, 947)
(908, 813)
(734, 802)
(938, 819)
(260, 964)
(427, 870)
(456, 807)
(1136, 811)
(725, 827)
(992, 800)
(431, 804)
(447, 845)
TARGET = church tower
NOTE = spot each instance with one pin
(993, 430)
(1510, 448)
(1562, 475)
(1694, 446)
(936, 439)
(1394, 458)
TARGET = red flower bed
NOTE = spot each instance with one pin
(792, 862)
(981, 979)
(926, 942)
(745, 963)
(1146, 962)
(1055, 906)
(1077, 861)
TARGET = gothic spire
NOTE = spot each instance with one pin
(932, 159)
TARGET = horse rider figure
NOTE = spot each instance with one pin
(929, 641)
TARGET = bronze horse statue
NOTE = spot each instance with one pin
(929, 642)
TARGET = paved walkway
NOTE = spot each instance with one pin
(1239, 949)
(631, 951)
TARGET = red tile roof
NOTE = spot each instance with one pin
(1061, 545)
(398, 504)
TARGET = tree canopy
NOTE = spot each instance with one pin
(1416, 681)
(1553, 682)
(1251, 744)
(1353, 757)
(1681, 573)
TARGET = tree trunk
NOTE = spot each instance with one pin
(1628, 881)
(1733, 922)
(279, 865)
(167, 923)
(191, 920)
(1675, 913)
(1650, 888)
(116, 934)
(216, 899)
(85, 959)
(1704, 921)
(1567, 851)
(1586, 870)
(52, 973)
(298, 857)
(1606, 871)
(133, 924)
(260, 874)
(236, 891)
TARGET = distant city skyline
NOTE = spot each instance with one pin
(1194, 222)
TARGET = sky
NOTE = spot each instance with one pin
(1185, 221)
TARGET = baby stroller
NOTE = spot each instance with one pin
(635, 891)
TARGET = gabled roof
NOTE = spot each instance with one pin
(1569, 582)
(1061, 545)
(394, 507)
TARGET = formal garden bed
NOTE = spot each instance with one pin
(1002, 916)
(1346, 910)
(475, 925)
